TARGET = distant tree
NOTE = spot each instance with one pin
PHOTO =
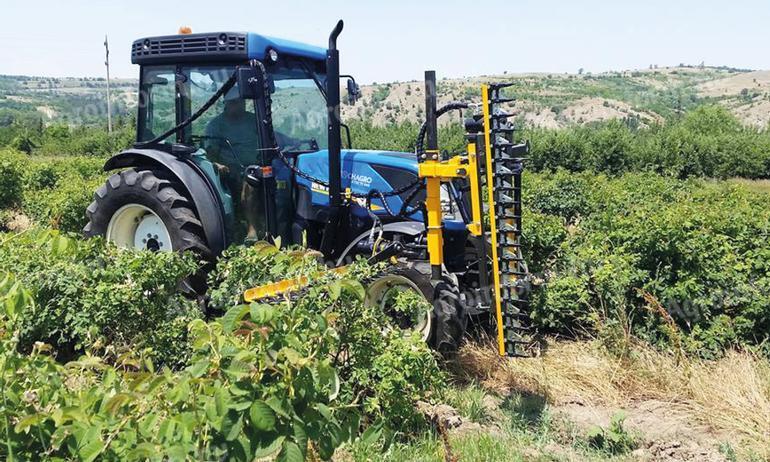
(580, 71)
(23, 142)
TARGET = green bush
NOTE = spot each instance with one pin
(10, 179)
(382, 370)
(266, 390)
(64, 206)
(53, 192)
(263, 380)
(88, 294)
(697, 247)
(708, 141)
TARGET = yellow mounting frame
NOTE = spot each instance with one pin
(492, 220)
(436, 172)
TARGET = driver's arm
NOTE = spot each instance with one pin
(285, 141)
(213, 146)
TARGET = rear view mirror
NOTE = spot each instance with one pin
(249, 81)
(354, 91)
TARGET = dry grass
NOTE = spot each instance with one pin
(731, 395)
(758, 186)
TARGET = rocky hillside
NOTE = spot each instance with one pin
(558, 100)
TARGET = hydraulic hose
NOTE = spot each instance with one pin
(419, 144)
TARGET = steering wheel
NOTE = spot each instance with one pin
(298, 143)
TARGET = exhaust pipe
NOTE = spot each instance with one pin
(335, 141)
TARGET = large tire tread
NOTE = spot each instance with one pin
(449, 318)
(166, 198)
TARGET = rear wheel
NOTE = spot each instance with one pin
(141, 210)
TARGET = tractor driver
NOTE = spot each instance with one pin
(232, 144)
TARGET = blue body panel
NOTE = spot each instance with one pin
(257, 46)
(359, 174)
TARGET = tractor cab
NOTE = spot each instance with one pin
(179, 74)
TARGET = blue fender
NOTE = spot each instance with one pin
(206, 200)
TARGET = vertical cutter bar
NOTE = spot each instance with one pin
(492, 218)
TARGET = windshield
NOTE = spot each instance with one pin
(228, 130)
(299, 106)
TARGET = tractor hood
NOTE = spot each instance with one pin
(362, 171)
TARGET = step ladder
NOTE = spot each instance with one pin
(504, 164)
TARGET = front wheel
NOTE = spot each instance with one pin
(441, 323)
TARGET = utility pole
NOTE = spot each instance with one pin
(109, 104)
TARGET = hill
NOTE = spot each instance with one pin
(543, 100)
(76, 101)
(560, 100)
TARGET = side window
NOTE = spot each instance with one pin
(204, 82)
(158, 98)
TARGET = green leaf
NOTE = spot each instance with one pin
(143, 451)
(199, 331)
(294, 357)
(262, 416)
(372, 434)
(265, 449)
(199, 368)
(335, 288)
(25, 423)
(148, 424)
(354, 287)
(262, 313)
(232, 426)
(290, 452)
(233, 316)
(277, 406)
(116, 402)
(324, 410)
(326, 447)
(90, 445)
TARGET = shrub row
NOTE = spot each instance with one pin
(264, 380)
(61, 139)
(53, 192)
(706, 142)
(631, 251)
(87, 294)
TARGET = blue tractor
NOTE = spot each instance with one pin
(239, 139)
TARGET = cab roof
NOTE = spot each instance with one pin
(217, 47)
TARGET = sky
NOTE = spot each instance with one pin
(398, 40)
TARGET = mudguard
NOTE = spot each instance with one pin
(207, 202)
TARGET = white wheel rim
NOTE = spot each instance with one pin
(135, 226)
(376, 296)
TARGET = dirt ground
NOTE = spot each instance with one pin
(681, 409)
(668, 432)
